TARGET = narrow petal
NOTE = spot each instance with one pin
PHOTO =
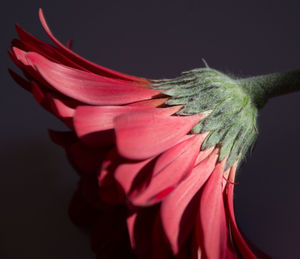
(83, 62)
(140, 227)
(150, 103)
(143, 135)
(213, 229)
(62, 109)
(30, 43)
(238, 238)
(179, 209)
(84, 87)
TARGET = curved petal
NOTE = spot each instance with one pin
(83, 62)
(143, 135)
(238, 238)
(150, 103)
(213, 228)
(164, 182)
(126, 173)
(85, 87)
(179, 209)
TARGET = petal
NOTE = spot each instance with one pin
(87, 87)
(150, 103)
(140, 227)
(143, 135)
(30, 43)
(179, 209)
(62, 109)
(126, 173)
(238, 238)
(213, 229)
(164, 182)
(89, 119)
(83, 62)
(173, 153)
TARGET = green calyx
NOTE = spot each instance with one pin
(232, 105)
(231, 122)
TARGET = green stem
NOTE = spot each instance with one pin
(261, 88)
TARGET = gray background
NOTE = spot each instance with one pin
(153, 39)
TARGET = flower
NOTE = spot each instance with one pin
(157, 158)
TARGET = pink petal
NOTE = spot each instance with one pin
(164, 182)
(140, 227)
(30, 43)
(238, 238)
(89, 119)
(173, 153)
(143, 135)
(86, 87)
(150, 103)
(213, 229)
(203, 154)
(126, 173)
(62, 109)
(21, 56)
(179, 208)
(83, 62)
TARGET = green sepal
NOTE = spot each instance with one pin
(231, 122)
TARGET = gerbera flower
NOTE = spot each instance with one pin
(157, 158)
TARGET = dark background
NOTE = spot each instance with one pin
(153, 39)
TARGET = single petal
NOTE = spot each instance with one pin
(179, 209)
(238, 238)
(143, 135)
(213, 228)
(86, 87)
(150, 103)
(140, 227)
(62, 109)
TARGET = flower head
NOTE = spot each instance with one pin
(157, 158)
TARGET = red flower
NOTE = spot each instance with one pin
(144, 176)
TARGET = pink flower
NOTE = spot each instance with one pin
(148, 186)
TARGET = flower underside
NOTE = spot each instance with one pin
(231, 120)
(156, 158)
